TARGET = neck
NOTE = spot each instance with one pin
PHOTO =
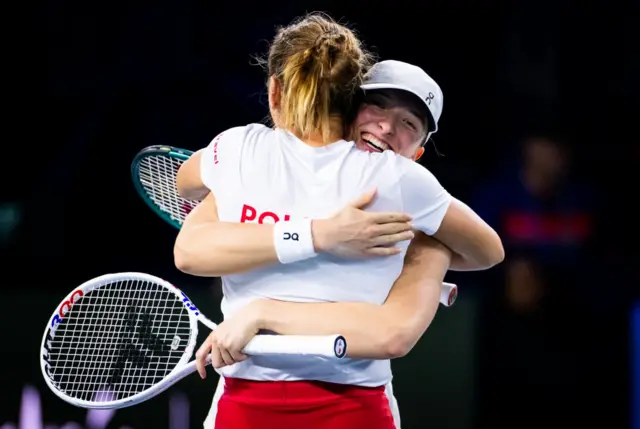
(336, 133)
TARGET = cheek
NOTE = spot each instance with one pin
(405, 145)
(365, 116)
(360, 123)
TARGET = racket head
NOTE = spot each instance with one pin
(153, 172)
(92, 357)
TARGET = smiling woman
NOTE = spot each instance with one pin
(401, 109)
(391, 119)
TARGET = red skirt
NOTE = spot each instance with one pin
(247, 404)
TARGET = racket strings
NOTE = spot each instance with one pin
(118, 340)
(157, 175)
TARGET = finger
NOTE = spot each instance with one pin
(237, 355)
(390, 228)
(364, 200)
(226, 356)
(385, 240)
(216, 358)
(390, 217)
(201, 359)
(382, 251)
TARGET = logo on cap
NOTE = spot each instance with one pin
(429, 98)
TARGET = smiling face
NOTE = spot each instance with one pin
(391, 119)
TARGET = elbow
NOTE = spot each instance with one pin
(495, 253)
(181, 184)
(183, 261)
(487, 252)
(188, 188)
(192, 264)
(397, 343)
(189, 192)
(499, 256)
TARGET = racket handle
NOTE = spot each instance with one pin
(448, 294)
(330, 346)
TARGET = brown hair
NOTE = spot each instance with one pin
(319, 65)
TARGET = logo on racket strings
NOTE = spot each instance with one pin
(138, 344)
(66, 306)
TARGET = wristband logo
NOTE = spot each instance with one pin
(289, 236)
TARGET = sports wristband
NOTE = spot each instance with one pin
(293, 241)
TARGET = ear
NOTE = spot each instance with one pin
(274, 93)
(418, 154)
(274, 90)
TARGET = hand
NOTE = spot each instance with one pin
(225, 344)
(353, 232)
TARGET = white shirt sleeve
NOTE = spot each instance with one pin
(423, 197)
(221, 159)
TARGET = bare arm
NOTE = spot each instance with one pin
(188, 180)
(450, 221)
(475, 244)
(208, 247)
(372, 331)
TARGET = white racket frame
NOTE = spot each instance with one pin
(329, 346)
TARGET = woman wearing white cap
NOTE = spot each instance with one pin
(393, 115)
(299, 171)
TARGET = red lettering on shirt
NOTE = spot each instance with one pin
(215, 148)
(250, 214)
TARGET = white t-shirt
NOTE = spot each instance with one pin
(262, 175)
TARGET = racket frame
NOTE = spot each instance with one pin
(332, 346)
(181, 368)
(157, 150)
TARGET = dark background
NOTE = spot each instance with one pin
(542, 92)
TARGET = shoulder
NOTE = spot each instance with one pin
(410, 169)
(241, 133)
(237, 139)
(374, 158)
(375, 167)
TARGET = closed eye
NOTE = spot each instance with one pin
(410, 124)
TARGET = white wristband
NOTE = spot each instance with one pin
(293, 240)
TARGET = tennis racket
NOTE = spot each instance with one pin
(154, 171)
(120, 339)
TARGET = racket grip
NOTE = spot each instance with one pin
(330, 346)
(448, 294)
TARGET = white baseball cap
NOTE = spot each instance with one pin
(391, 74)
